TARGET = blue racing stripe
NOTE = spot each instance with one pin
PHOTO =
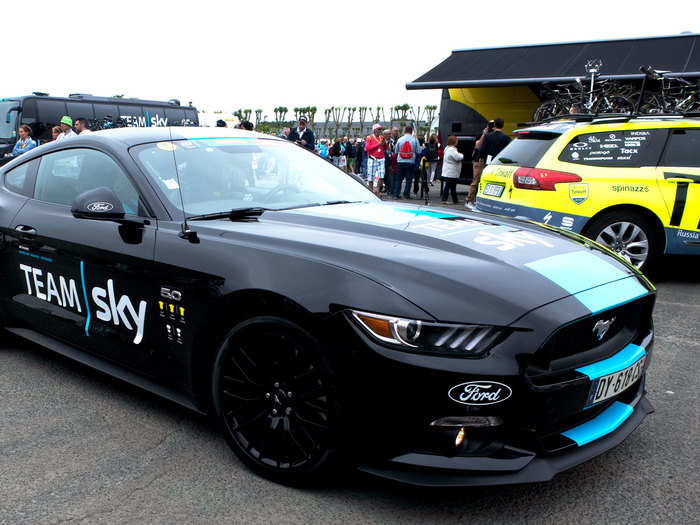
(611, 295)
(426, 213)
(87, 305)
(621, 360)
(577, 271)
(604, 423)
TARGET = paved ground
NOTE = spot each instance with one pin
(78, 447)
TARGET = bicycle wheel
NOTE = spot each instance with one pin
(614, 104)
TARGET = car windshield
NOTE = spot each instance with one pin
(8, 130)
(221, 174)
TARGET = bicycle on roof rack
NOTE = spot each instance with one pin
(675, 94)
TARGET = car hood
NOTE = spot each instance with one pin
(456, 266)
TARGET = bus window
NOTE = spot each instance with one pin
(191, 118)
(132, 115)
(175, 116)
(155, 116)
(80, 110)
(105, 113)
(50, 113)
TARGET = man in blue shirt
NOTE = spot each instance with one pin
(407, 148)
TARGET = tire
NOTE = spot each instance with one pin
(631, 235)
(545, 110)
(274, 400)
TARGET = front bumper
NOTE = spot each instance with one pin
(512, 467)
(390, 409)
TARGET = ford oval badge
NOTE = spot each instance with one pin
(100, 207)
(478, 393)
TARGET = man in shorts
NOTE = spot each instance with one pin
(375, 146)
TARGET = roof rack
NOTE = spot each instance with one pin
(608, 118)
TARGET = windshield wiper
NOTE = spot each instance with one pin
(506, 160)
(233, 215)
(331, 203)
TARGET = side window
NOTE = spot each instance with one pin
(683, 149)
(175, 116)
(64, 175)
(132, 115)
(104, 112)
(619, 149)
(80, 110)
(17, 179)
(50, 112)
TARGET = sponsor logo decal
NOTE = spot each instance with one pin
(479, 393)
(601, 328)
(629, 187)
(110, 307)
(578, 192)
(509, 240)
(100, 207)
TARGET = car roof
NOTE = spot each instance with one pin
(561, 126)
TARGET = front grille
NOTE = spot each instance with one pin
(576, 344)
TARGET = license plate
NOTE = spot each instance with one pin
(493, 190)
(612, 384)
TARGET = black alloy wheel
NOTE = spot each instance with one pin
(274, 399)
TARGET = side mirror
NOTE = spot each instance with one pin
(98, 204)
(8, 118)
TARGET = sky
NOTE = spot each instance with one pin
(266, 53)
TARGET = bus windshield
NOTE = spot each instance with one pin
(8, 130)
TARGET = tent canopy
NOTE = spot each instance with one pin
(533, 64)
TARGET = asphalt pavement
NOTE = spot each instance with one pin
(77, 446)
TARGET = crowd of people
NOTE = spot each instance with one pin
(402, 165)
(67, 128)
(397, 165)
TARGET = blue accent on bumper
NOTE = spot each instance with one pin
(611, 295)
(604, 423)
(621, 360)
(87, 305)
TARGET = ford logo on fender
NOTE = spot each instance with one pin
(480, 393)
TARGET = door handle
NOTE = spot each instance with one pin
(25, 231)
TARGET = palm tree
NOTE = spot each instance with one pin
(362, 116)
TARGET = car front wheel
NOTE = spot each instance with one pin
(630, 235)
(274, 399)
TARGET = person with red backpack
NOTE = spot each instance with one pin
(407, 148)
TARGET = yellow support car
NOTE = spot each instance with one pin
(632, 185)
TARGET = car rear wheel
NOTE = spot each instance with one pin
(630, 235)
(273, 396)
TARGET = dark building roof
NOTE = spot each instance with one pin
(517, 65)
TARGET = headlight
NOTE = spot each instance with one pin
(425, 337)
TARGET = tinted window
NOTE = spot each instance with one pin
(30, 117)
(191, 118)
(175, 116)
(620, 149)
(155, 116)
(77, 110)
(683, 149)
(50, 112)
(131, 115)
(17, 178)
(526, 150)
(103, 111)
(66, 174)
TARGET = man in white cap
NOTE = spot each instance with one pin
(302, 135)
(375, 146)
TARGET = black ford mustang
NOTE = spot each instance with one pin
(242, 276)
